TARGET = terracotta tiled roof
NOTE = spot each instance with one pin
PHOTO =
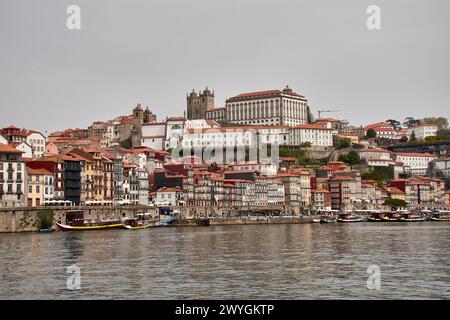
(40, 172)
(264, 93)
(7, 148)
(414, 154)
(312, 126)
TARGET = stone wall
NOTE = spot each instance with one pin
(25, 219)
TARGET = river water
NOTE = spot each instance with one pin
(301, 261)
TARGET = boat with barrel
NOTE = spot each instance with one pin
(384, 217)
(376, 217)
(440, 216)
(392, 216)
(75, 222)
(348, 217)
(143, 221)
(411, 217)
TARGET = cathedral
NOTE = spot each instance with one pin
(198, 104)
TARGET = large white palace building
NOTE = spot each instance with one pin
(273, 107)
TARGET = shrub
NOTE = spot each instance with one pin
(45, 218)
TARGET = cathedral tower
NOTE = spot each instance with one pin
(198, 104)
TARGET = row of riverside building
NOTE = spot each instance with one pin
(125, 160)
(114, 175)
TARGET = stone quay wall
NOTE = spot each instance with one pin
(25, 219)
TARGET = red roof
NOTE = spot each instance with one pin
(267, 92)
(320, 191)
(7, 148)
(40, 171)
(312, 126)
(414, 154)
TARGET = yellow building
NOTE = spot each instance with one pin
(40, 187)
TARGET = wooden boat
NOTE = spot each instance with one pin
(126, 226)
(107, 225)
(75, 222)
(410, 217)
(328, 220)
(135, 224)
(376, 217)
(391, 217)
(440, 217)
(347, 217)
(315, 221)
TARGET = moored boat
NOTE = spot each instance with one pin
(347, 217)
(391, 217)
(135, 224)
(376, 217)
(441, 216)
(410, 217)
(75, 222)
(328, 220)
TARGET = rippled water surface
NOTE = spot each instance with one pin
(307, 261)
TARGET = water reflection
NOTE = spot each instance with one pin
(247, 262)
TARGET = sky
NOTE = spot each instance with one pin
(155, 51)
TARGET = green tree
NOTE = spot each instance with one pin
(413, 137)
(371, 133)
(397, 203)
(395, 124)
(410, 121)
(404, 139)
(351, 158)
(344, 143)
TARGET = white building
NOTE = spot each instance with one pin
(415, 163)
(217, 114)
(37, 142)
(168, 196)
(3, 140)
(12, 177)
(143, 186)
(265, 169)
(27, 150)
(272, 107)
(316, 135)
(154, 135)
(422, 131)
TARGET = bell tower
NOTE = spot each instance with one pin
(136, 131)
(198, 104)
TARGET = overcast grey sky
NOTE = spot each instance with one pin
(153, 52)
